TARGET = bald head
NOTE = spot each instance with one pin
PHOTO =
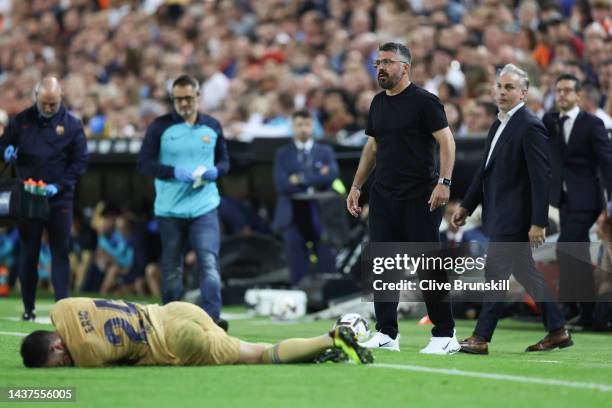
(48, 94)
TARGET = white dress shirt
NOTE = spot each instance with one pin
(571, 114)
(504, 118)
(306, 146)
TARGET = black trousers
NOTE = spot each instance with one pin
(58, 230)
(576, 280)
(508, 255)
(409, 221)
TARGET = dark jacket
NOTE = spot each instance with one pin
(513, 188)
(53, 150)
(286, 163)
(578, 164)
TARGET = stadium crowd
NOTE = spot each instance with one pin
(258, 61)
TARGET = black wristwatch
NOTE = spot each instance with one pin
(445, 181)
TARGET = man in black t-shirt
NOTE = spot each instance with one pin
(404, 124)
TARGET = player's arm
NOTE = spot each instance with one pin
(444, 137)
(366, 163)
(441, 193)
(148, 159)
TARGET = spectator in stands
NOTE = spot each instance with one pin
(4, 120)
(590, 98)
(479, 116)
(83, 242)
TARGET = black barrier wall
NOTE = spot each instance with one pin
(112, 174)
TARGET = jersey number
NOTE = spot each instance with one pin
(123, 324)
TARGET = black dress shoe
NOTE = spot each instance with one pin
(222, 323)
(28, 316)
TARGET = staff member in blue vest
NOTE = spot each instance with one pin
(177, 147)
(46, 143)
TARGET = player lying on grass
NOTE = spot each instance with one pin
(95, 333)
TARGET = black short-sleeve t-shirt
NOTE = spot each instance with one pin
(406, 152)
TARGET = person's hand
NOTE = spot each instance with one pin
(439, 197)
(51, 190)
(294, 179)
(537, 236)
(10, 154)
(459, 217)
(183, 175)
(352, 202)
(211, 174)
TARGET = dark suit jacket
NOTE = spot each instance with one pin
(577, 164)
(286, 163)
(513, 188)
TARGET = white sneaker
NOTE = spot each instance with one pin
(442, 346)
(382, 341)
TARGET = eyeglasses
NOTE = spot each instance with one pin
(188, 99)
(386, 62)
(564, 90)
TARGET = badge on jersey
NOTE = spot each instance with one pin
(59, 130)
(206, 139)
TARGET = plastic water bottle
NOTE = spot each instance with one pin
(29, 186)
(4, 281)
(41, 188)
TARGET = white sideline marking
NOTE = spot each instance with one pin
(544, 361)
(500, 377)
(3, 333)
(39, 319)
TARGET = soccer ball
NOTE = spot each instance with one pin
(358, 324)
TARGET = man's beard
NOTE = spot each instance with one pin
(185, 113)
(386, 82)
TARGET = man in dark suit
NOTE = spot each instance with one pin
(300, 167)
(512, 186)
(580, 150)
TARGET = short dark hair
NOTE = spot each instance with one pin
(397, 48)
(302, 113)
(570, 77)
(36, 348)
(489, 107)
(186, 80)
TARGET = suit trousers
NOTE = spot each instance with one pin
(511, 255)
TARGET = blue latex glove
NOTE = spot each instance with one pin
(10, 154)
(182, 174)
(211, 174)
(51, 190)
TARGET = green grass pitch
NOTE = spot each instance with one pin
(580, 376)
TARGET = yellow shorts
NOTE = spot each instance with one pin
(194, 338)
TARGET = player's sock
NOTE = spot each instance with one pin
(297, 350)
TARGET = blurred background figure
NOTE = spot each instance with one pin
(303, 166)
